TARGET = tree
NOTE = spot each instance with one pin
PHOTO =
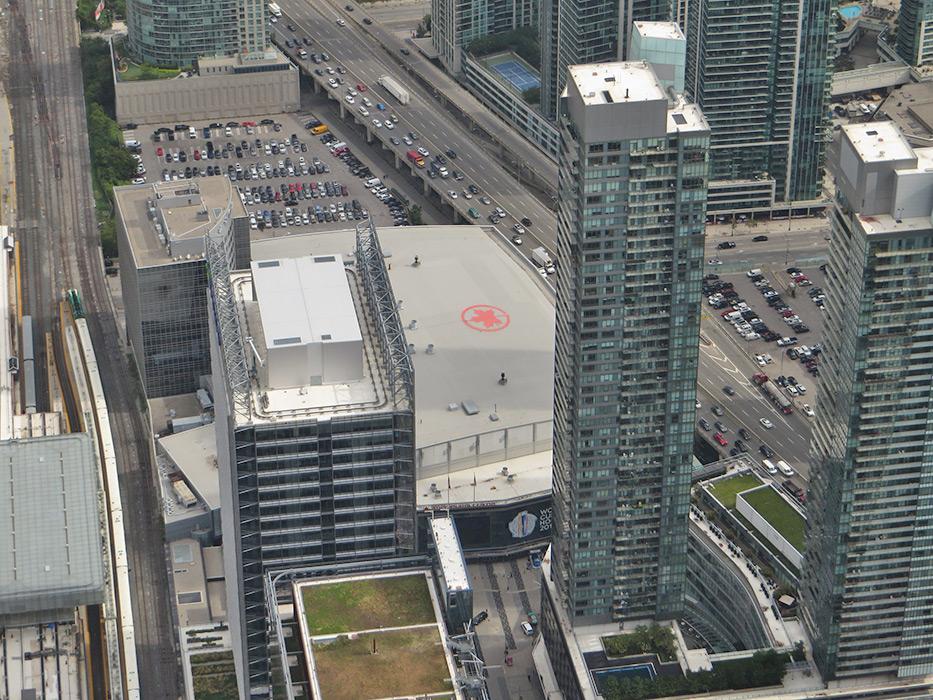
(414, 215)
(532, 95)
(424, 27)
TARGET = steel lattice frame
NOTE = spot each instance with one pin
(384, 309)
(217, 247)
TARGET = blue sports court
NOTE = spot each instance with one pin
(517, 74)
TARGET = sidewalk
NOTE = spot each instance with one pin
(7, 163)
(757, 228)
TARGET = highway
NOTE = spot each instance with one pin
(366, 61)
(59, 244)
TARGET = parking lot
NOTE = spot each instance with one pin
(290, 180)
(746, 331)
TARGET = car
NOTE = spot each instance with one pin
(533, 618)
(808, 411)
(714, 261)
(527, 629)
(388, 125)
(703, 423)
(766, 423)
(348, 99)
(720, 439)
(526, 221)
(721, 428)
(451, 153)
(377, 123)
(407, 141)
(744, 434)
(784, 342)
(760, 239)
(766, 451)
(485, 200)
(348, 7)
(516, 239)
(473, 189)
(423, 152)
(452, 194)
(395, 141)
(367, 21)
(405, 52)
(729, 390)
(698, 405)
(341, 23)
(717, 410)
(726, 245)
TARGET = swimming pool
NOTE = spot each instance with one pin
(850, 12)
(622, 672)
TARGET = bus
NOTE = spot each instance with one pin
(275, 10)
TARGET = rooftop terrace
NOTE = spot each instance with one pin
(368, 638)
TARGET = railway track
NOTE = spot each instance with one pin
(59, 241)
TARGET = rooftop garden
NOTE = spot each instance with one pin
(214, 676)
(398, 663)
(646, 639)
(777, 511)
(523, 41)
(349, 606)
(725, 490)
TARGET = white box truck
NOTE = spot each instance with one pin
(541, 258)
(393, 86)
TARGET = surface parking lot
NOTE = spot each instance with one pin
(289, 180)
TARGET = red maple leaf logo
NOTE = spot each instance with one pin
(487, 317)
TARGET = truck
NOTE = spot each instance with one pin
(542, 259)
(415, 158)
(397, 91)
(275, 10)
(774, 393)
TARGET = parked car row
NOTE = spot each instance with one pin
(774, 300)
(318, 213)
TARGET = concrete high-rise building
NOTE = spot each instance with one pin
(313, 396)
(632, 178)
(178, 32)
(915, 32)
(455, 24)
(759, 72)
(867, 578)
(577, 31)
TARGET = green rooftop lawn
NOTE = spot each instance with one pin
(214, 676)
(394, 601)
(134, 71)
(406, 663)
(725, 490)
(780, 514)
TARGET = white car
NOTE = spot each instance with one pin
(760, 359)
(801, 388)
(348, 99)
(389, 125)
(367, 102)
(451, 194)
(341, 23)
(333, 83)
(407, 141)
(807, 411)
(139, 181)
(351, 91)
(423, 152)
(714, 261)
(377, 123)
(766, 423)
(792, 390)
(527, 629)
(363, 111)
(699, 405)
(467, 194)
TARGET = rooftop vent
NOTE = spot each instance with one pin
(680, 119)
(325, 259)
(268, 263)
(608, 96)
(286, 341)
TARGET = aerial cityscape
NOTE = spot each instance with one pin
(679, 256)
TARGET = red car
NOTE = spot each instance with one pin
(361, 87)
(197, 154)
(248, 123)
(160, 152)
(720, 439)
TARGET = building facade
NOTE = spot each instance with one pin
(867, 577)
(915, 32)
(175, 33)
(455, 24)
(163, 276)
(314, 430)
(759, 72)
(632, 179)
(573, 32)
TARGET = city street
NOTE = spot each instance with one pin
(60, 248)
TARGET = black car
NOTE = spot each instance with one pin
(526, 221)
(473, 189)
(766, 451)
(703, 423)
(721, 428)
(291, 27)
(405, 52)
(760, 239)
(307, 40)
(793, 270)
(717, 410)
(726, 245)
(348, 7)
(729, 390)
(744, 434)
(367, 20)
(451, 153)
(267, 121)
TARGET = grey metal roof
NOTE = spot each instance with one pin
(51, 555)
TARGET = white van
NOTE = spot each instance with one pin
(192, 134)
(769, 466)
(131, 143)
(753, 273)
(785, 468)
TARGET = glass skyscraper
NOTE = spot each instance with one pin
(915, 32)
(632, 179)
(578, 31)
(867, 579)
(178, 32)
(759, 70)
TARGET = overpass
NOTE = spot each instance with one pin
(875, 77)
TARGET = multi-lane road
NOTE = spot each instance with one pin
(366, 61)
(56, 230)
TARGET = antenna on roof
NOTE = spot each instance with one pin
(626, 93)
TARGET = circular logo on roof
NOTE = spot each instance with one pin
(485, 318)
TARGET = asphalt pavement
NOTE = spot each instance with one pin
(366, 61)
(60, 248)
